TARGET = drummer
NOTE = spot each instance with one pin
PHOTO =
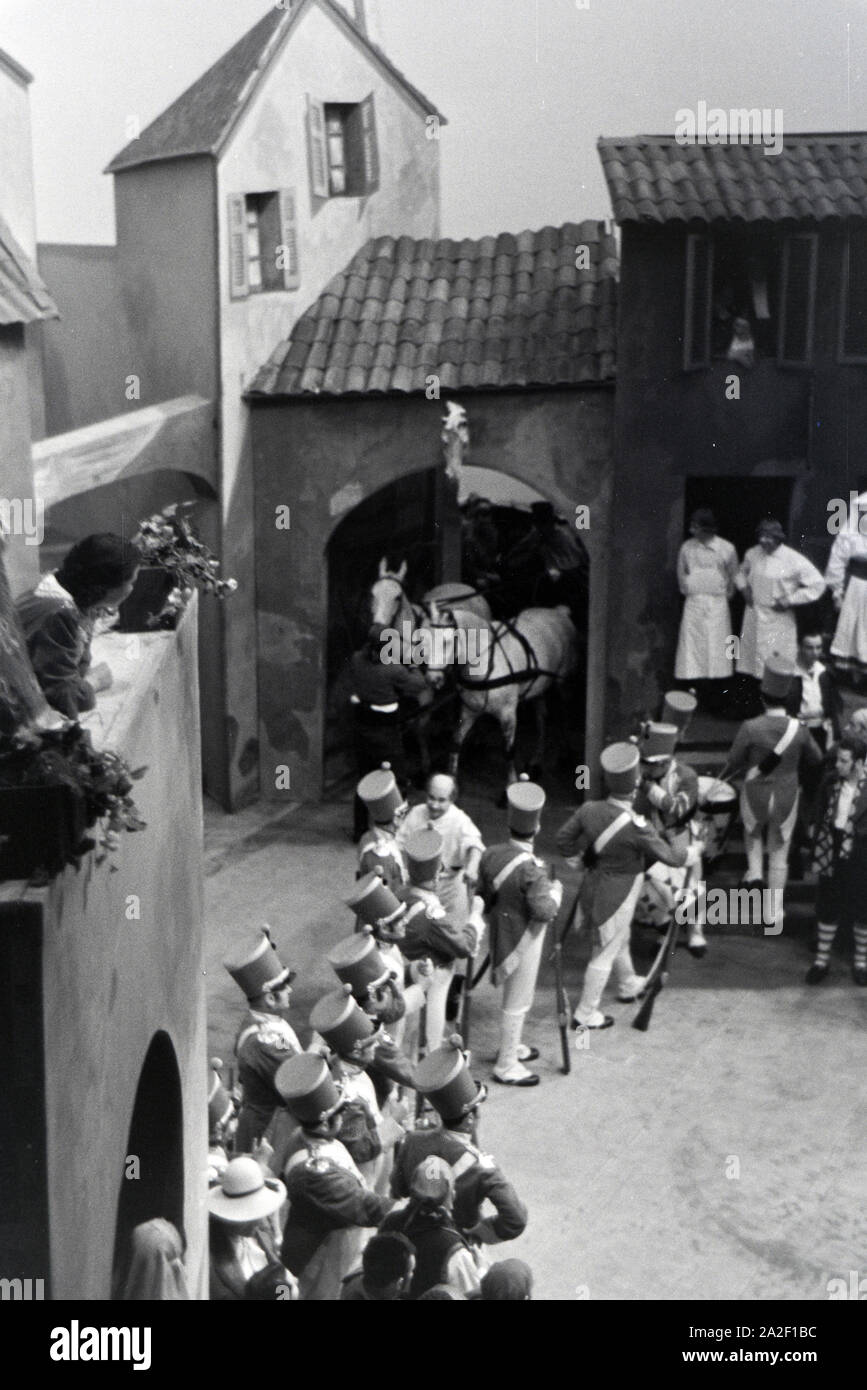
(668, 797)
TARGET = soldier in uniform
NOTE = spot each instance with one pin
(444, 1079)
(358, 962)
(429, 931)
(377, 690)
(265, 1038)
(616, 845)
(667, 797)
(331, 1208)
(771, 750)
(442, 1254)
(520, 899)
(379, 851)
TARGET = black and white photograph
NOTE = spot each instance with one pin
(433, 666)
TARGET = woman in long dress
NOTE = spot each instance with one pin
(706, 567)
(774, 579)
(846, 577)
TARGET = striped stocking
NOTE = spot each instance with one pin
(826, 933)
(859, 931)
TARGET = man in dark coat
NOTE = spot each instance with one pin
(840, 858)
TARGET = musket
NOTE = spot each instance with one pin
(563, 1009)
(658, 974)
(470, 982)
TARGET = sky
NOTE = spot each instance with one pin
(527, 86)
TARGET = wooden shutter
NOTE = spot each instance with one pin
(317, 148)
(289, 239)
(239, 286)
(370, 147)
(697, 301)
(797, 299)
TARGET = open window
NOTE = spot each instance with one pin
(731, 298)
(343, 148)
(853, 319)
(263, 243)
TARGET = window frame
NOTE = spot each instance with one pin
(844, 358)
(807, 360)
(689, 291)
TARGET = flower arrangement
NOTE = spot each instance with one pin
(167, 541)
(65, 757)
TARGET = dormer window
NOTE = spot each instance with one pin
(343, 149)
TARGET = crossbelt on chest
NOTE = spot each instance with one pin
(778, 750)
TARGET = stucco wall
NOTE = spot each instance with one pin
(323, 458)
(16, 474)
(798, 423)
(110, 983)
(268, 151)
(16, 160)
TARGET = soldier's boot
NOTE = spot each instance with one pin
(509, 1070)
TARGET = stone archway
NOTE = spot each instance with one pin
(153, 1181)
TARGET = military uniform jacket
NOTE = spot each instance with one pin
(326, 1193)
(607, 886)
(670, 810)
(523, 902)
(263, 1043)
(429, 932)
(756, 738)
(477, 1179)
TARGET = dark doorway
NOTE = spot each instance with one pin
(739, 504)
(156, 1139)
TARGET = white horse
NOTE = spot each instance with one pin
(501, 665)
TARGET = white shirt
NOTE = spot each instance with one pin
(811, 694)
(459, 834)
(845, 797)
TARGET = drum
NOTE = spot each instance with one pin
(717, 807)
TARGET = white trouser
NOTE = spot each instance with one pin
(611, 955)
(435, 1013)
(779, 836)
(518, 991)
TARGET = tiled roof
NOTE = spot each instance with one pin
(23, 296)
(505, 311)
(653, 178)
(202, 117)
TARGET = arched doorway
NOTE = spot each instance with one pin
(153, 1183)
(417, 520)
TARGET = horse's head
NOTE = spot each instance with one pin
(440, 638)
(387, 594)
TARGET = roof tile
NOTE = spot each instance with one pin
(501, 311)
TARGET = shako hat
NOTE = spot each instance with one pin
(307, 1088)
(245, 1192)
(424, 855)
(381, 795)
(777, 678)
(338, 1019)
(221, 1107)
(657, 741)
(357, 962)
(444, 1078)
(620, 767)
(432, 1181)
(259, 968)
(678, 707)
(374, 901)
(525, 801)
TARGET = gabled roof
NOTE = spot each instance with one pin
(203, 117)
(653, 178)
(23, 296)
(506, 311)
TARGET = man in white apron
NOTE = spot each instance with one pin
(706, 568)
(846, 577)
(771, 750)
(774, 579)
(616, 845)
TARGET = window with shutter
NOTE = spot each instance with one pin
(797, 298)
(239, 285)
(289, 239)
(318, 148)
(697, 301)
(370, 147)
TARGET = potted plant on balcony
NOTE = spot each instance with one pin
(54, 787)
(174, 562)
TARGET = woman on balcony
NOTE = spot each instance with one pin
(58, 616)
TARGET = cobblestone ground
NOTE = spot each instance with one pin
(720, 1155)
